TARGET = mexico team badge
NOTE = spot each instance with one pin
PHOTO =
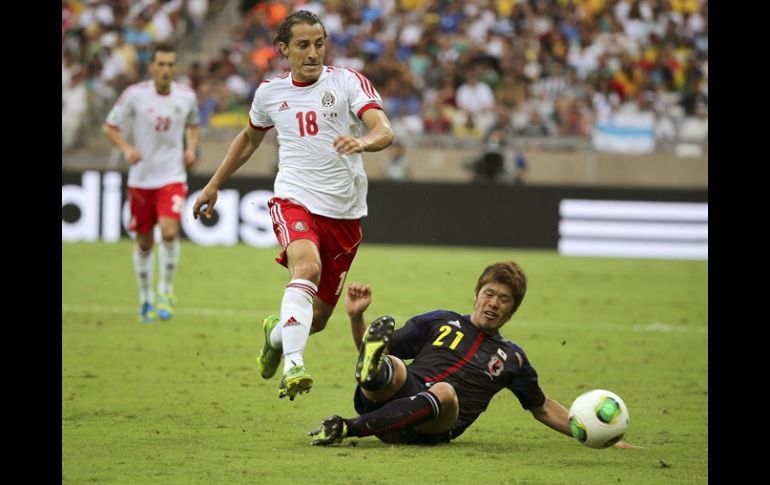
(299, 226)
(328, 99)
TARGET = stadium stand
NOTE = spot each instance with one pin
(622, 76)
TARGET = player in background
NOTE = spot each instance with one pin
(324, 118)
(460, 363)
(164, 120)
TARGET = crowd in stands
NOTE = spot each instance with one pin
(106, 45)
(460, 68)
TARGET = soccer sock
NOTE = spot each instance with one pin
(383, 376)
(397, 414)
(143, 266)
(168, 258)
(296, 318)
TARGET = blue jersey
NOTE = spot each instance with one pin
(447, 347)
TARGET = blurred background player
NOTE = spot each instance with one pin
(460, 363)
(164, 119)
(320, 114)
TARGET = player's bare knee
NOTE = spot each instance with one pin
(399, 372)
(169, 234)
(307, 270)
(399, 378)
(447, 396)
(449, 409)
(144, 241)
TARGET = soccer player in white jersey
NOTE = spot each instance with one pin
(324, 118)
(164, 131)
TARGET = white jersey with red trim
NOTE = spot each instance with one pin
(157, 127)
(307, 118)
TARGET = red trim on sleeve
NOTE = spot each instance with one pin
(259, 128)
(366, 108)
(114, 127)
(366, 85)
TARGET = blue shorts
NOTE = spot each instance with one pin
(407, 436)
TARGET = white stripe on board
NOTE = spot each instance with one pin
(625, 210)
(633, 249)
(633, 230)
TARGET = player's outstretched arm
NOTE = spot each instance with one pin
(192, 136)
(357, 300)
(130, 153)
(380, 135)
(241, 149)
(553, 415)
(556, 416)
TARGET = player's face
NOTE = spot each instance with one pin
(493, 307)
(162, 69)
(305, 51)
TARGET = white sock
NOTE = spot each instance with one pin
(143, 266)
(296, 318)
(168, 258)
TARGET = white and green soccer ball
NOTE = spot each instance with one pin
(598, 418)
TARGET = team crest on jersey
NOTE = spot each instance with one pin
(328, 99)
(495, 366)
(299, 226)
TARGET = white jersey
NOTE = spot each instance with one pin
(307, 117)
(158, 126)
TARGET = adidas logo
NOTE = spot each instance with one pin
(284, 106)
(291, 322)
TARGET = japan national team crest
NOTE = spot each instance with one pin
(299, 226)
(495, 366)
(328, 99)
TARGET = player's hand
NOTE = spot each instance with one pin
(346, 144)
(189, 157)
(358, 298)
(132, 155)
(623, 444)
(208, 198)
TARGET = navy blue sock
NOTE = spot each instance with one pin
(397, 414)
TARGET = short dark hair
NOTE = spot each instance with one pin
(283, 31)
(508, 273)
(161, 48)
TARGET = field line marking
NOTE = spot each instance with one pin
(260, 313)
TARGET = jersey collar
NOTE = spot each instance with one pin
(309, 83)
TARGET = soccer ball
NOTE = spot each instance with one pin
(598, 418)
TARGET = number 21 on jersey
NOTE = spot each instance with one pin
(446, 330)
(308, 124)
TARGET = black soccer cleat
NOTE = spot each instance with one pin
(332, 430)
(373, 346)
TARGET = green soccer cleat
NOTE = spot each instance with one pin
(166, 304)
(373, 346)
(332, 430)
(295, 381)
(146, 313)
(269, 358)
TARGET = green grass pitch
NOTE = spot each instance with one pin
(181, 401)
